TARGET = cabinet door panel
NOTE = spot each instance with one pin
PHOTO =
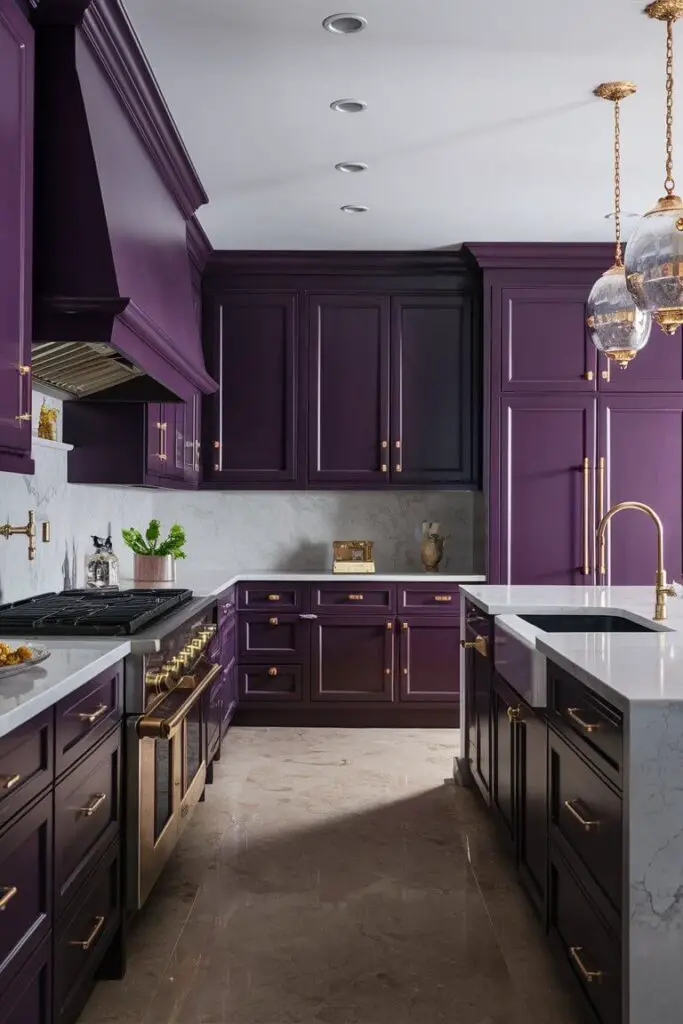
(430, 659)
(434, 421)
(532, 782)
(353, 660)
(542, 528)
(157, 440)
(29, 1000)
(349, 389)
(545, 344)
(254, 413)
(658, 367)
(503, 757)
(641, 441)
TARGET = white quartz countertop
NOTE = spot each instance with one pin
(72, 663)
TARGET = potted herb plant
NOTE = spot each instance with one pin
(155, 559)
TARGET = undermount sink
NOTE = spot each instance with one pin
(569, 622)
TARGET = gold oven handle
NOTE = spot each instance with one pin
(586, 570)
(153, 728)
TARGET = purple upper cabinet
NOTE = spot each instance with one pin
(434, 413)
(641, 443)
(16, 203)
(659, 367)
(544, 533)
(192, 431)
(349, 389)
(544, 342)
(252, 420)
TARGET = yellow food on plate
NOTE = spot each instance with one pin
(14, 655)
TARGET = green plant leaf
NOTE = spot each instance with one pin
(174, 543)
(135, 541)
(153, 531)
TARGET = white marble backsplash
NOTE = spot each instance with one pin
(247, 531)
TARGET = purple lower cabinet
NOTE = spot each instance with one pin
(353, 660)
(532, 805)
(640, 452)
(26, 764)
(29, 998)
(271, 683)
(429, 662)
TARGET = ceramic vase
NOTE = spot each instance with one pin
(431, 552)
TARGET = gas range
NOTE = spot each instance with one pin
(89, 612)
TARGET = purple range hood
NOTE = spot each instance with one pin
(114, 313)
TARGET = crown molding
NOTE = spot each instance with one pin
(547, 255)
(199, 247)
(311, 262)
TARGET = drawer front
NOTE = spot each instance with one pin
(270, 597)
(26, 764)
(580, 713)
(270, 683)
(87, 817)
(429, 597)
(587, 814)
(477, 622)
(266, 637)
(227, 605)
(353, 597)
(583, 938)
(86, 716)
(29, 999)
(25, 885)
(85, 934)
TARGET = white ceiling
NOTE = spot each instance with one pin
(481, 124)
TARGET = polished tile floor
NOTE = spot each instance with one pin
(336, 877)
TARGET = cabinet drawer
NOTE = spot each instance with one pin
(578, 712)
(84, 936)
(587, 815)
(429, 597)
(29, 999)
(582, 937)
(87, 817)
(26, 764)
(266, 637)
(272, 597)
(25, 885)
(270, 682)
(353, 597)
(86, 716)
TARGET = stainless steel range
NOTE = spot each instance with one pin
(167, 675)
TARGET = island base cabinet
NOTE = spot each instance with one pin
(28, 1000)
(504, 708)
(532, 805)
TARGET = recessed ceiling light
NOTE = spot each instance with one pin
(345, 24)
(348, 106)
(350, 167)
(354, 208)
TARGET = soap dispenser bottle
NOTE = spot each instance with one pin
(101, 566)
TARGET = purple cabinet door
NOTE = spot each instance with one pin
(16, 189)
(545, 344)
(541, 516)
(434, 422)
(659, 367)
(429, 659)
(253, 416)
(641, 443)
(29, 1000)
(157, 440)
(192, 445)
(349, 389)
(352, 661)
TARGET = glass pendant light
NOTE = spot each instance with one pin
(617, 327)
(654, 254)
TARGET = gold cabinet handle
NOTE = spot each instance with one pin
(588, 375)
(9, 781)
(273, 597)
(90, 717)
(397, 444)
(584, 822)
(601, 511)
(355, 597)
(586, 514)
(273, 622)
(443, 597)
(23, 369)
(385, 444)
(8, 893)
(478, 644)
(514, 714)
(605, 373)
(272, 671)
(383, 468)
(390, 625)
(575, 717)
(85, 944)
(404, 625)
(588, 976)
(24, 417)
(397, 468)
(387, 671)
(94, 805)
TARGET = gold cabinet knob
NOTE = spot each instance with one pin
(588, 375)
(390, 625)
(404, 625)
(397, 468)
(385, 444)
(23, 369)
(355, 597)
(273, 621)
(383, 468)
(272, 671)
(24, 417)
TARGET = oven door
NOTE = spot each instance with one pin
(171, 770)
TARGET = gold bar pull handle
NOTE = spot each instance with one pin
(585, 823)
(573, 713)
(273, 597)
(8, 893)
(602, 569)
(94, 805)
(9, 781)
(586, 570)
(85, 944)
(355, 597)
(478, 644)
(588, 976)
(90, 717)
(443, 597)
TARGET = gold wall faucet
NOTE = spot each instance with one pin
(662, 590)
(29, 531)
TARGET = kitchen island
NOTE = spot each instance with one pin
(574, 737)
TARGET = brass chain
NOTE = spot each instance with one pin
(669, 183)
(617, 185)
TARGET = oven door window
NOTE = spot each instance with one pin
(163, 785)
(194, 738)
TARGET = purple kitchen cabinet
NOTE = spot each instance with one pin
(429, 659)
(353, 661)
(349, 389)
(503, 767)
(29, 998)
(16, 206)
(640, 439)
(434, 391)
(166, 440)
(658, 367)
(252, 421)
(544, 490)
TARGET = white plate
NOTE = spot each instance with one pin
(39, 653)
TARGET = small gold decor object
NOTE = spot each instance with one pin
(351, 556)
(47, 422)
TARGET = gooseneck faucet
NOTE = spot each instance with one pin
(662, 590)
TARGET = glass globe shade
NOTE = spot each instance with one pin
(617, 327)
(654, 263)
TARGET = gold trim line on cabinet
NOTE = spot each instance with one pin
(586, 515)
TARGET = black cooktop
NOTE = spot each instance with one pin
(88, 612)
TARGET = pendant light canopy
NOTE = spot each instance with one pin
(654, 254)
(617, 327)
